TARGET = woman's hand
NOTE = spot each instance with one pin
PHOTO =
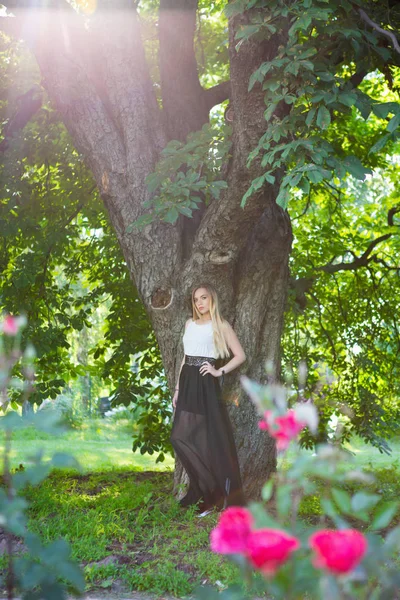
(207, 368)
(175, 398)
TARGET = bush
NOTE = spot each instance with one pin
(349, 550)
(41, 571)
(63, 407)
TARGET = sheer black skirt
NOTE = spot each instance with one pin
(203, 441)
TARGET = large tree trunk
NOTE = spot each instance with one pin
(98, 79)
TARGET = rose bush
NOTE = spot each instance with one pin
(342, 554)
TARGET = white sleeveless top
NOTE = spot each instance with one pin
(198, 340)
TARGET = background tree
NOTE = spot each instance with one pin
(305, 63)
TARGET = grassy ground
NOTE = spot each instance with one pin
(122, 522)
(99, 445)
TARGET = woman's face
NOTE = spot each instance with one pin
(202, 301)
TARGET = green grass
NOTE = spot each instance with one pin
(126, 526)
(122, 521)
(361, 455)
(99, 445)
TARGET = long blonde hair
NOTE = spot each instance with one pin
(218, 322)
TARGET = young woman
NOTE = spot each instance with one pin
(202, 433)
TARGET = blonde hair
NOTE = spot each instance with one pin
(218, 322)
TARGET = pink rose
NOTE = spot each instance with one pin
(338, 551)
(10, 325)
(231, 533)
(268, 549)
(283, 429)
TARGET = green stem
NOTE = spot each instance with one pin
(10, 578)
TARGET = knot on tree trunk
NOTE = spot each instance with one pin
(162, 298)
(218, 257)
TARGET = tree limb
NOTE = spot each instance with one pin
(217, 244)
(361, 261)
(29, 104)
(183, 97)
(375, 26)
(365, 258)
(121, 76)
(217, 94)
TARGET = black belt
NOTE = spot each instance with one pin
(197, 361)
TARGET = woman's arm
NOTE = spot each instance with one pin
(238, 355)
(179, 374)
(176, 391)
(235, 347)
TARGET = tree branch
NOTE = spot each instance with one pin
(361, 261)
(375, 26)
(29, 104)
(11, 26)
(393, 211)
(121, 76)
(217, 94)
(217, 242)
(365, 258)
(357, 78)
(183, 98)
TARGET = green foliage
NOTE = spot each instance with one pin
(60, 262)
(309, 84)
(187, 175)
(44, 569)
(344, 321)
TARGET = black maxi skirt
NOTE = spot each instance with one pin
(203, 440)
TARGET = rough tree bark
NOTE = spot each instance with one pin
(97, 77)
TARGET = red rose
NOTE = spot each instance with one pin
(231, 533)
(283, 429)
(268, 549)
(338, 551)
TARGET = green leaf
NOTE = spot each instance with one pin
(283, 198)
(185, 210)
(261, 517)
(342, 499)
(153, 182)
(267, 490)
(354, 166)
(323, 117)
(270, 111)
(328, 507)
(392, 541)
(310, 116)
(380, 143)
(347, 98)
(258, 182)
(284, 499)
(61, 460)
(385, 514)
(172, 215)
(393, 123)
(382, 110)
(362, 501)
(247, 31)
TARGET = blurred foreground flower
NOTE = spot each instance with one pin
(283, 429)
(233, 529)
(11, 325)
(338, 551)
(268, 549)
